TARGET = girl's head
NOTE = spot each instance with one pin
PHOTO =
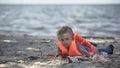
(65, 35)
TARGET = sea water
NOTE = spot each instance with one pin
(46, 20)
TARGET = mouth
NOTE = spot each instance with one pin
(66, 45)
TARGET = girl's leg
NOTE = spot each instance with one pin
(108, 49)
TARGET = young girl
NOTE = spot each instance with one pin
(71, 44)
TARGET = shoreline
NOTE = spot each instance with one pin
(19, 38)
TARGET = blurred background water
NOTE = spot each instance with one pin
(87, 20)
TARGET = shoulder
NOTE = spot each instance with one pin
(77, 36)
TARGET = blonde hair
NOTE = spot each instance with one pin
(63, 30)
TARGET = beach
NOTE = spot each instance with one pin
(26, 51)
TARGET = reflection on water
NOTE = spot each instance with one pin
(87, 20)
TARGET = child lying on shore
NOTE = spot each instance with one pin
(73, 45)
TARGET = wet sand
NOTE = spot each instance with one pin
(24, 51)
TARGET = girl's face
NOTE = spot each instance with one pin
(66, 39)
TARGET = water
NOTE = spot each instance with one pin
(87, 20)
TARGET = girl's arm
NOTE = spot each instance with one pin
(84, 42)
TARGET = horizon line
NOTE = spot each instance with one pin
(60, 3)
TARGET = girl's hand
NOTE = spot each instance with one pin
(59, 57)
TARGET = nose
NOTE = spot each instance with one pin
(64, 42)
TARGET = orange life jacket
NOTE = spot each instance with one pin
(72, 51)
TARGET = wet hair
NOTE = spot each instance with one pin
(64, 30)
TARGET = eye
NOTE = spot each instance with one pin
(66, 38)
(62, 39)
